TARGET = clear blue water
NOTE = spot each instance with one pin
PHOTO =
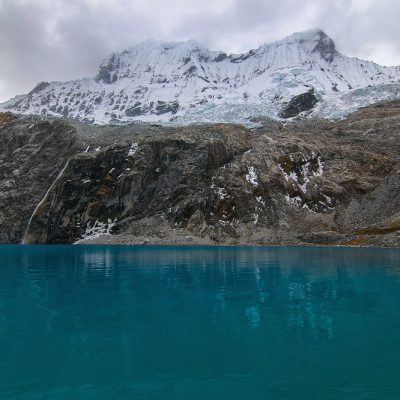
(199, 323)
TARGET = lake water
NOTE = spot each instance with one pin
(191, 323)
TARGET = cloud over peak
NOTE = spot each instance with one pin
(59, 39)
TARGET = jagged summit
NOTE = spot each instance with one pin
(316, 40)
(145, 54)
(119, 65)
(309, 35)
(185, 82)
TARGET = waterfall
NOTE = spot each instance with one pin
(42, 201)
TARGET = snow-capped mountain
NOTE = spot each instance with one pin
(185, 82)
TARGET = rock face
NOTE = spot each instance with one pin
(186, 83)
(31, 153)
(298, 104)
(315, 182)
(325, 46)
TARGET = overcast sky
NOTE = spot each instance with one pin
(43, 40)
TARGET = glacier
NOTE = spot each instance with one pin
(184, 82)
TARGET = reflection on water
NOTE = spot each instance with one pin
(198, 322)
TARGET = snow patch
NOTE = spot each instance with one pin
(219, 191)
(305, 172)
(222, 193)
(296, 201)
(97, 229)
(133, 149)
(260, 200)
(251, 176)
(256, 216)
(288, 177)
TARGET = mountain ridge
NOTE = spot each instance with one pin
(184, 82)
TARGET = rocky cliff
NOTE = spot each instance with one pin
(309, 182)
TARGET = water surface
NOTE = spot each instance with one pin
(191, 323)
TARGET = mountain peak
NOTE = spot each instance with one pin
(316, 41)
(184, 81)
(148, 51)
(325, 46)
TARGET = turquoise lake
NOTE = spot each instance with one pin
(191, 323)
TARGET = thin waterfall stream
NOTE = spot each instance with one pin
(42, 201)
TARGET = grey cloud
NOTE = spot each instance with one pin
(60, 39)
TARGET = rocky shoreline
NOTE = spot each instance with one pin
(314, 182)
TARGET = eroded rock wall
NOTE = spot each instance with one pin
(315, 182)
